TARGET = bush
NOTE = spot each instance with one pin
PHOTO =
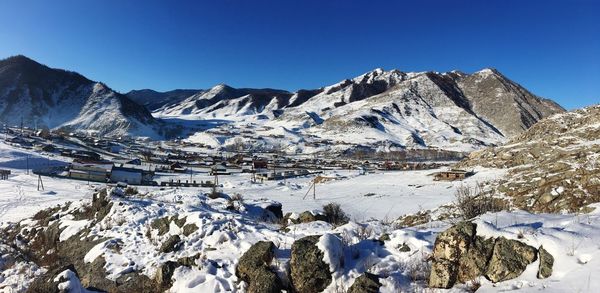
(129, 191)
(334, 214)
(474, 201)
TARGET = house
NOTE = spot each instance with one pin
(127, 175)
(86, 156)
(219, 170)
(453, 174)
(90, 172)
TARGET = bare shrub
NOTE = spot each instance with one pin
(334, 214)
(235, 202)
(364, 232)
(418, 269)
(474, 201)
(130, 191)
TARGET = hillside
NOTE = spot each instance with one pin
(553, 166)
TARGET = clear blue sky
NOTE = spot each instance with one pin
(550, 47)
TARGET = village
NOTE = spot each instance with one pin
(143, 162)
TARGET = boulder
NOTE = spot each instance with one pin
(253, 268)
(308, 272)
(546, 263)
(365, 283)
(461, 256)
(509, 259)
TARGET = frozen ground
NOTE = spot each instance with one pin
(380, 195)
(19, 196)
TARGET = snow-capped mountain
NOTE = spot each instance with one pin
(450, 110)
(39, 96)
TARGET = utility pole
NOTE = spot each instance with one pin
(40, 183)
(27, 164)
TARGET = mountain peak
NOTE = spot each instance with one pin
(488, 71)
(20, 60)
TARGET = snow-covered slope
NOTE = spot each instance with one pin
(39, 96)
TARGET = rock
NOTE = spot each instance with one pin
(509, 259)
(189, 229)
(404, 248)
(306, 217)
(546, 263)
(165, 272)
(172, 244)
(454, 242)
(178, 222)
(449, 247)
(253, 268)
(365, 283)
(161, 224)
(101, 204)
(276, 209)
(474, 263)
(189, 261)
(443, 274)
(309, 273)
(384, 237)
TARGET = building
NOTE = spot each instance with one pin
(127, 175)
(90, 172)
(452, 175)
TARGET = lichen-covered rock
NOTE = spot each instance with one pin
(546, 263)
(253, 268)
(443, 274)
(474, 262)
(454, 242)
(365, 283)
(309, 273)
(509, 259)
(449, 247)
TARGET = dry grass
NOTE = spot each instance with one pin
(474, 201)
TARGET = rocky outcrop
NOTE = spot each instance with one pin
(308, 271)
(459, 256)
(253, 268)
(552, 167)
(365, 283)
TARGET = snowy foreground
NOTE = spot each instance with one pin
(223, 235)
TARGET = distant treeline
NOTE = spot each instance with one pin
(410, 155)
